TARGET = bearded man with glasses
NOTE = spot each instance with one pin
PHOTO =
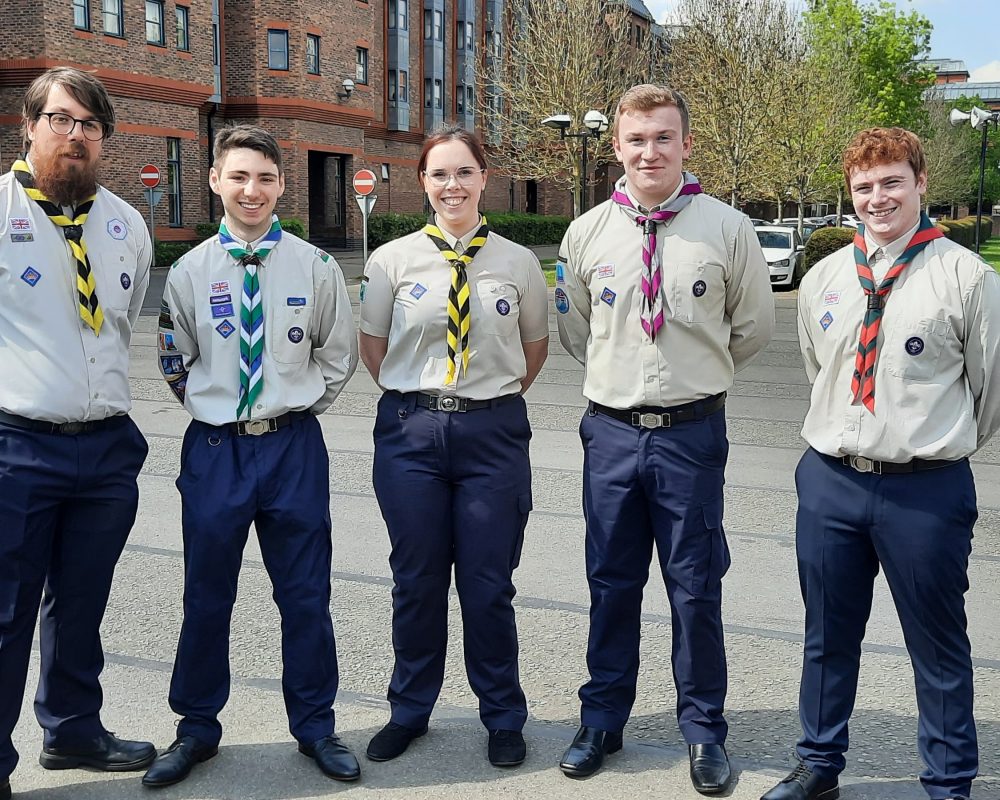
(74, 267)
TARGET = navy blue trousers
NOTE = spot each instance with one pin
(918, 527)
(67, 504)
(280, 482)
(663, 487)
(454, 489)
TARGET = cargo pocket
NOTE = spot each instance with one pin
(524, 507)
(702, 556)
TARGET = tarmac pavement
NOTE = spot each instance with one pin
(763, 614)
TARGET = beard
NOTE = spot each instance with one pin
(65, 182)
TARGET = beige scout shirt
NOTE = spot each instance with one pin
(310, 343)
(937, 378)
(718, 307)
(54, 367)
(406, 301)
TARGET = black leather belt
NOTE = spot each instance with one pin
(862, 464)
(449, 403)
(651, 417)
(63, 428)
(258, 427)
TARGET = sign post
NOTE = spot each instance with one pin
(364, 184)
(149, 176)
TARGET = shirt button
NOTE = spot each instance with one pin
(260, 406)
(93, 361)
(850, 427)
(651, 379)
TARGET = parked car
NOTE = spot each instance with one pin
(808, 228)
(757, 222)
(783, 250)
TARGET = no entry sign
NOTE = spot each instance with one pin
(149, 176)
(364, 182)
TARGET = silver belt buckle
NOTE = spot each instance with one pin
(652, 421)
(257, 427)
(447, 404)
(862, 464)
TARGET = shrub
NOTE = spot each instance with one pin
(384, 228)
(963, 231)
(166, 253)
(824, 242)
(525, 229)
(204, 230)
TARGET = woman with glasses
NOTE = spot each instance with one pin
(454, 328)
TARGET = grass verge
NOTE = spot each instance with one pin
(549, 268)
(990, 250)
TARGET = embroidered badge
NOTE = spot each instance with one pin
(295, 335)
(914, 345)
(503, 307)
(225, 328)
(177, 385)
(562, 301)
(296, 301)
(608, 296)
(117, 229)
(166, 341)
(31, 276)
(126, 280)
(225, 310)
(323, 255)
(826, 320)
(699, 288)
(605, 270)
(21, 224)
(364, 286)
(560, 272)
(418, 291)
(166, 322)
(22, 237)
(172, 365)
(220, 299)
(831, 298)
(220, 287)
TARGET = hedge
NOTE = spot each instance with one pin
(166, 253)
(963, 231)
(525, 229)
(824, 242)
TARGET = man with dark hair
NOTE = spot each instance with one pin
(900, 333)
(74, 266)
(256, 338)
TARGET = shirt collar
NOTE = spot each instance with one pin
(465, 239)
(248, 246)
(894, 249)
(673, 196)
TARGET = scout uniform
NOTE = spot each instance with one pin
(451, 470)
(254, 452)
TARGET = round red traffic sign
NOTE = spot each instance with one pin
(149, 175)
(364, 182)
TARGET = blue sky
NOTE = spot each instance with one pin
(962, 30)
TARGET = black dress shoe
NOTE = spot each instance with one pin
(392, 741)
(107, 752)
(176, 762)
(586, 754)
(5, 789)
(804, 784)
(710, 772)
(506, 748)
(333, 757)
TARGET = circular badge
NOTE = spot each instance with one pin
(295, 335)
(914, 345)
(503, 307)
(562, 301)
(126, 280)
(699, 288)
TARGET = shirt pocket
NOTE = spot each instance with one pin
(696, 291)
(912, 349)
(289, 333)
(497, 308)
(114, 268)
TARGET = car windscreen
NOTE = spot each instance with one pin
(773, 240)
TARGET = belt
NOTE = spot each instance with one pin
(862, 464)
(449, 403)
(258, 427)
(651, 417)
(64, 428)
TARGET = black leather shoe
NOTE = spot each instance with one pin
(107, 752)
(392, 741)
(586, 754)
(5, 789)
(176, 762)
(710, 772)
(333, 757)
(506, 748)
(804, 784)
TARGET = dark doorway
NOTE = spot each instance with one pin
(531, 197)
(327, 209)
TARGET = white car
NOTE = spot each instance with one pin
(783, 250)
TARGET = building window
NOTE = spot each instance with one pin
(215, 44)
(460, 99)
(174, 180)
(470, 38)
(434, 25)
(404, 95)
(112, 13)
(391, 86)
(181, 18)
(494, 44)
(277, 49)
(432, 93)
(361, 71)
(470, 99)
(312, 54)
(154, 22)
(81, 14)
(460, 35)
(398, 14)
(385, 173)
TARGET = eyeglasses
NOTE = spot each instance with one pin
(63, 124)
(466, 176)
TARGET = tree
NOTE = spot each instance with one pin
(952, 169)
(560, 56)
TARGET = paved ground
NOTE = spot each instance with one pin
(762, 609)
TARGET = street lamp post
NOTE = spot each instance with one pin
(594, 124)
(980, 119)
